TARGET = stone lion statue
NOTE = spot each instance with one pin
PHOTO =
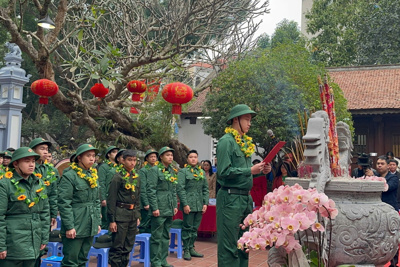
(13, 49)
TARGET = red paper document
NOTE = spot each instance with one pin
(271, 155)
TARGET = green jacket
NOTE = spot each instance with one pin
(119, 194)
(160, 192)
(106, 174)
(23, 229)
(192, 192)
(143, 172)
(234, 168)
(79, 205)
(50, 174)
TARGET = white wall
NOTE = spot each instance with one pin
(192, 135)
(306, 6)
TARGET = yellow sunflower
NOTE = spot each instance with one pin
(46, 183)
(22, 197)
(128, 186)
(31, 204)
(38, 175)
(9, 175)
(39, 190)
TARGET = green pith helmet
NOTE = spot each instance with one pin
(165, 149)
(82, 149)
(240, 110)
(7, 154)
(2, 153)
(23, 152)
(150, 151)
(119, 154)
(109, 149)
(39, 141)
(72, 157)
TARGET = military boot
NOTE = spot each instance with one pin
(194, 253)
(186, 255)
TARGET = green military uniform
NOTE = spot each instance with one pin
(161, 194)
(104, 183)
(79, 206)
(123, 206)
(24, 226)
(145, 222)
(234, 202)
(50, 177)
(193, 191)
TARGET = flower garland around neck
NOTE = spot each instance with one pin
(50, 174)
(21, 192)
(197, 171)
(3, 171)
(126, 175)
(148, 165)
(245, 142)
(92, 178)
(171, 177)
(109, 163)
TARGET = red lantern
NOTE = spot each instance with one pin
(177, 94)
(134, 110)
(152, 92)
(99, 91)
(136, 88)
(45, 89)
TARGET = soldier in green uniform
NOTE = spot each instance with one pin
(123, 206)
(104, 168)
(150, 161)
(193, 195)
(161, 193)
(234, 174)
(6, 158)
(24, 212)
(49, 174)
(79, 206)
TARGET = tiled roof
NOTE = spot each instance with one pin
(369, 88)
(202, 65)
(197, 105)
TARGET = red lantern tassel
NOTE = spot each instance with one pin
(135, 97)
(177, 109)
(43, 100)
(134, 110)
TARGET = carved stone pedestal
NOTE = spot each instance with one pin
(366, 230)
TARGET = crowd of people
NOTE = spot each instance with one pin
(125, 199)
(88, 198)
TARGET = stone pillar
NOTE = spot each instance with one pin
(12, 80)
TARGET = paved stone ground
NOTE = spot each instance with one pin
(208, 247)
